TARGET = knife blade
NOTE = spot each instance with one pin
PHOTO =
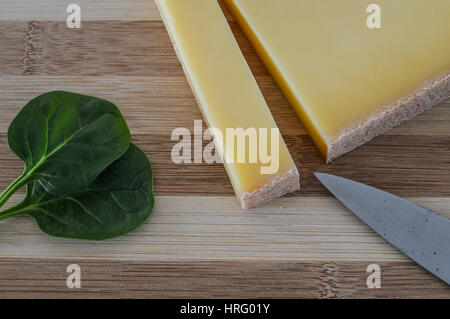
(417, 232)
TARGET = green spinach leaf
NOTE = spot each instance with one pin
(66, 140)
(115, 203)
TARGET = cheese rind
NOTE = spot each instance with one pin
(227, 94)
(347, 82)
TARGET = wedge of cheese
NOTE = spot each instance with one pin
(229, 98)
(350, 69)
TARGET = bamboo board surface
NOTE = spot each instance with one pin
(198, 242)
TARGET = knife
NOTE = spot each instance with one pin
(417, 232)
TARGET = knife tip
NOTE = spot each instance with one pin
(325, 178)
(319, 175)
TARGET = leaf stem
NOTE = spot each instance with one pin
(21, 181)
(13, 211)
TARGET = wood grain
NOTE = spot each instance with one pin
(215, 228)
(198, 242)
(38, 278)
(55, 10)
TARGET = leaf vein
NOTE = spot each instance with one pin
(85, 210)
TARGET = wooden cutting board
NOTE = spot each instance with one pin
(198, 242)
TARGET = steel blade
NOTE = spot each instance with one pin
(417, 232)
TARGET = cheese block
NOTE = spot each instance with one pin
(351, 69)
(229, 98)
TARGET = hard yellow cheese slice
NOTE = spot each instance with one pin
(347, 79)
(228, 96)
